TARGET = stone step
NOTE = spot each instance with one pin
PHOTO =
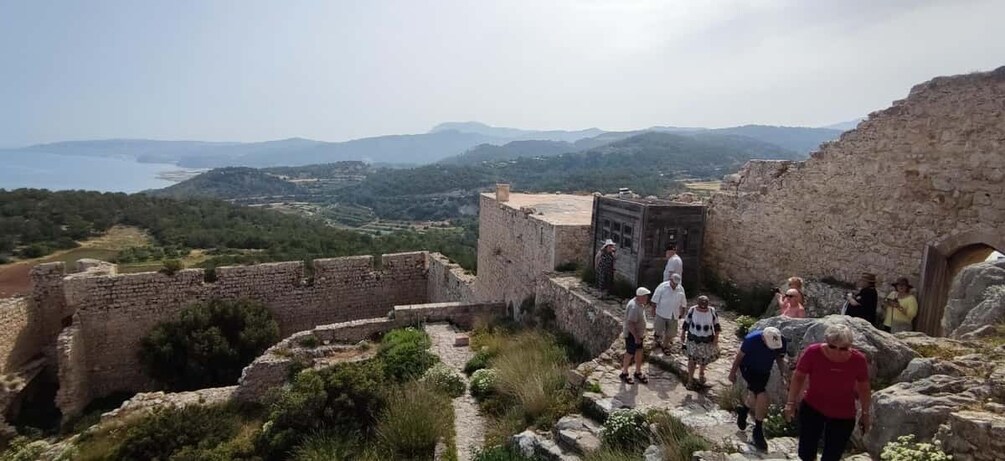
(577, 433)
(539, 444)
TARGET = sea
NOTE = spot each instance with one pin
(72, 172)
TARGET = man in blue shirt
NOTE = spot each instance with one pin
(760, 349)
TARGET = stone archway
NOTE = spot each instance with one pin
(942, 261)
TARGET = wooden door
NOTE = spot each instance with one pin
(933, 292)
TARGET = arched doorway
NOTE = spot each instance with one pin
(943, 259)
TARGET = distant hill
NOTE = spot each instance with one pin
(845, 126)
(516, 133)
(230, 183)
(799, 139)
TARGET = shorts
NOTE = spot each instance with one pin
(664, 327)
(756, 382)
(630, 345)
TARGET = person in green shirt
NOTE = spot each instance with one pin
(901, 307)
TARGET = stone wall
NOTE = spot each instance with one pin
(516, 246)
(448, 281)
(115, 312)
(17, 342)
(74, 393)
(593, 327)
(927, 167)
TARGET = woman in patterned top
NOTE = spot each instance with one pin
(700, 335)
(604, 264)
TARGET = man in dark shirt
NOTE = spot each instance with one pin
(863, 304)
(760, 350)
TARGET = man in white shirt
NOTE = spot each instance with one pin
(671, 302)
(674, 263)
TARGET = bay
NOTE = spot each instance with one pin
(73, 172)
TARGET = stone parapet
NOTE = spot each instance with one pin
(576, 314)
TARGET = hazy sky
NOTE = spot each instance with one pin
(246, 70)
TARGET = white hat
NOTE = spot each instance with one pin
(608, 242)
(772, 338)
(642, 291)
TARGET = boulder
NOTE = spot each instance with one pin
(888, 357)
(535, 445)
(822, 299)
(921, 368)
(976, 298)
(577, 433)
(919, 408)
(973, 435)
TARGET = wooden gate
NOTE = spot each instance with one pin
(933, 292)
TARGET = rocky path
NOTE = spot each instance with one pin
(468, 424)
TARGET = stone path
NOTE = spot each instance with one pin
(468, 424)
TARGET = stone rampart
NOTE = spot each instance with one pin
(927, 167)
(18, 342)
(448, 281)
(74, 393)
(114, 312)
(592, 326)
(328, 344)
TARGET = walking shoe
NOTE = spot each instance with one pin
(759, 441)
(741, 416)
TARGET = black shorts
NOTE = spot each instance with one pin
(756, 382)
(630, 345)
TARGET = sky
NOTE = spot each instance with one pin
(249, 70)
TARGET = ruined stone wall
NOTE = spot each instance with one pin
(447, 281)
(927, 167)
(17, 343)
(593, 327)
(515, 248)
(74, 393)
(115, 312)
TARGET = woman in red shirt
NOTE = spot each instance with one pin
(837, 376)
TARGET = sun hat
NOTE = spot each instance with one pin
(642, 291)
(903, 281)
(772, 338)
(608, 242)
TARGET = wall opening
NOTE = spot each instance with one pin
(942, 262)
(36, 404)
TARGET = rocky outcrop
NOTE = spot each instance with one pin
(920, 407)
(976, 299)
(921, 368)
(973, 436)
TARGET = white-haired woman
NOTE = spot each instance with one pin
(700, 335)
(837, 375)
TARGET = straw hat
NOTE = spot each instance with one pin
(903, 281)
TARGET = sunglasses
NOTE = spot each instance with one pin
(842, 349)
(790, 296)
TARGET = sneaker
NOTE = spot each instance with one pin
(741, 416)
(759, 441)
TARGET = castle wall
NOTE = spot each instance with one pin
(447, 281)
(592, 326)
(115, 312)
(17, 342)
(515, 247)
(74, 393)
(929, 166)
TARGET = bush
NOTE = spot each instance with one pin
(743, 324)
(775, 424)
(626, 429)
(209, 345)
(906, 449)
(732, 397)
(405, 354)
(444, 380)
(416, 418)
(531, 370)
(344, 398)
(35, 250)
(588, 275)
(622, 288)
(751, 301)
(167, 431)
(326, 446)
(172, 266)
(24, 449)
(500, 453)
(483, 383)
(479, 361)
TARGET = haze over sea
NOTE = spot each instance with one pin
(68, 172)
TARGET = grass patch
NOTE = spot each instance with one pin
(936, 351)
(675, 439)
(732, 397)
(752, 301)
(501, 453)
(415, 419)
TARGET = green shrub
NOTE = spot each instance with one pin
(627, 430)
(344, 398)
(732, 397)
(168, 431)
(906, 449)
(405, 354)
(743, 324)
(309, 341)
(172, 266)
(209, 345)
(752, 301)
(588, 275)
(483, 383)
(444, 380)
(775, 424)
(623, 288)
(501, 453)
(415, 419)
(24, 449)
(571, 266)
(326, 446)
(675, 439)
(531, 370)
(479, 361)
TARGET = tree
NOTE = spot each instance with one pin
(208, 345)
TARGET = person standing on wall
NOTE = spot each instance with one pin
(634, 330)
(836, 375)
(603, 264)
(901, 307)
(674, 264)
(671, 302)
(759, 350)
(863, 304)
